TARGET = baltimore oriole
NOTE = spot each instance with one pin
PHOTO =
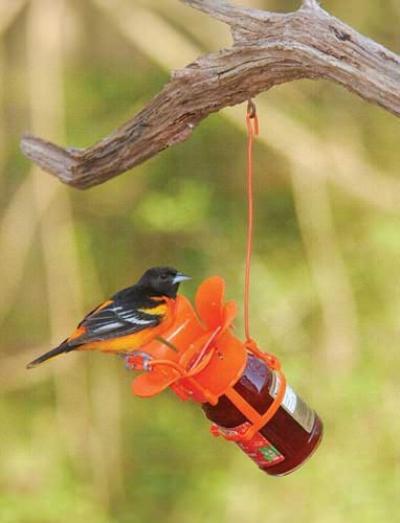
(129, 319)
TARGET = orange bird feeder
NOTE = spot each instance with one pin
(241, 389)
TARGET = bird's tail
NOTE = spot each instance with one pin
(64, 347)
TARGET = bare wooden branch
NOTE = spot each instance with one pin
(220, 10)
(311, 4)
(269, 49)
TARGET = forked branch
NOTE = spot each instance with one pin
(269, 49)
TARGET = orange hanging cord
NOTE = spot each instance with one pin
(252, 132)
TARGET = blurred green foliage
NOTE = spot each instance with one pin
(75, 445)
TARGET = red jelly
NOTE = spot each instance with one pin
(288, 439)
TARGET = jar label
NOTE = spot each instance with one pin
(259, 449)
(294, 405)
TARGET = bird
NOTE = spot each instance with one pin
(128, 320)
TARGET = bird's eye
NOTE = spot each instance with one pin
(164, 276)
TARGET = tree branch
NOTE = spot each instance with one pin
(220, 10)
(311, 4)
(269, 49)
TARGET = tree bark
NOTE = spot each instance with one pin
(268, 49)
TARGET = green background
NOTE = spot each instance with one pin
(75, 445)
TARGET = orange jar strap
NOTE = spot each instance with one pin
(257, 420)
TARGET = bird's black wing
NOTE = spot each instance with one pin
(115, 318)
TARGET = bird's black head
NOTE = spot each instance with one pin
(162, 281)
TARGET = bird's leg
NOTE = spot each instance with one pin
(167, 343)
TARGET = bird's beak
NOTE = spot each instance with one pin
(180, 277)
